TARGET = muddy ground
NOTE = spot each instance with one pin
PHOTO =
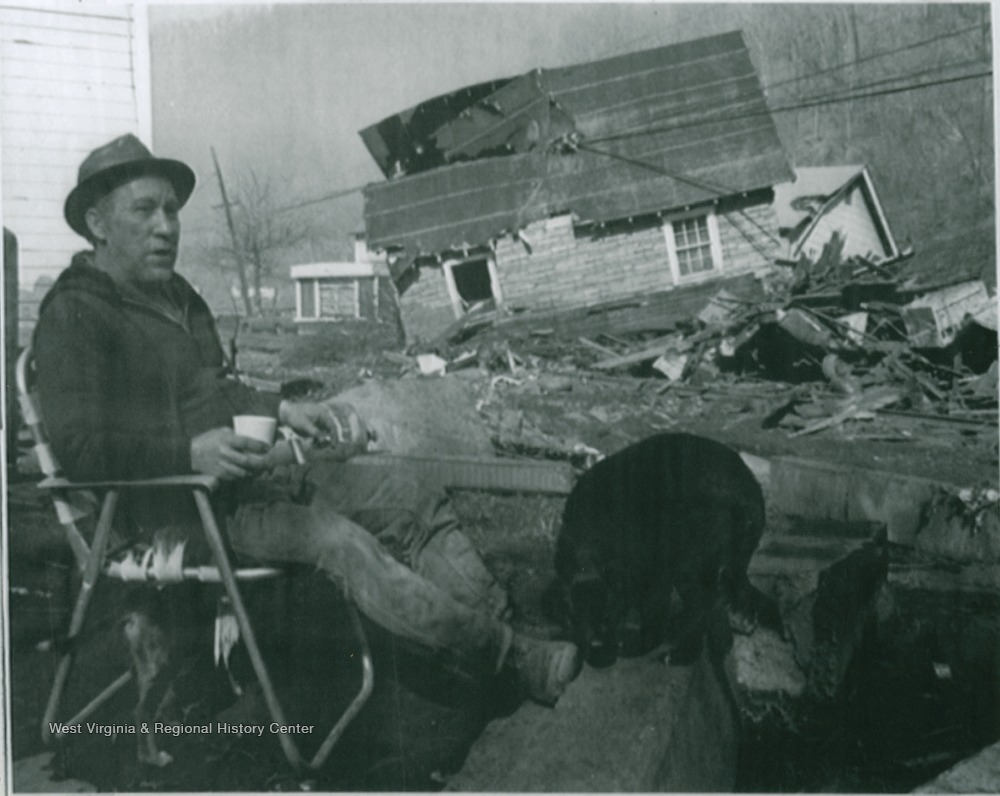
(563, 402)
(421, 720)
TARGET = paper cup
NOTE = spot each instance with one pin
(256, 427)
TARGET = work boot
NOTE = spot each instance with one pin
(544, 668)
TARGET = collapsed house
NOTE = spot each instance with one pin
(649, 174)
(638, 214)
(826, 200)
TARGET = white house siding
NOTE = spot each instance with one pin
(852, 219)
(72, 77)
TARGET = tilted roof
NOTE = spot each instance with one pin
(626, 136)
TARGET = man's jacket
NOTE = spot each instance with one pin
(123, 387)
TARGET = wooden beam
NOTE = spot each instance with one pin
(482, 472)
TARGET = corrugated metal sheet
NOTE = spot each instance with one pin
(660, 129)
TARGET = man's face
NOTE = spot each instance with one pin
(139, 226)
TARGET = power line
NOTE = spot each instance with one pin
(754, 98)
(815, 101)
(755, 95)
(720, 190)
(324, 198)
(810, 103)
(896, 78)
(885, 92)
(881, 54)
(854, 62)
(701, 184)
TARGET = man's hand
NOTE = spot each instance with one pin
(307, 419)
(224, 454)
(336, 427)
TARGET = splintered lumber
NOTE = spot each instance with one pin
(600, 349)
(986, 420)
(646, 355)
(871, 401)
(653, 350)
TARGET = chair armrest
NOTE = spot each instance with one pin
(207, 482)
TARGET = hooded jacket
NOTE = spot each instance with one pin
(123, 387)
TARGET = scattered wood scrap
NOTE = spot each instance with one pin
(850, 329)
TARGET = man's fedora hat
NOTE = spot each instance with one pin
(114, 164)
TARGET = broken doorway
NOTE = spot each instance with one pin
(473, 284)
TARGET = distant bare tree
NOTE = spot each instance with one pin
(263, 232)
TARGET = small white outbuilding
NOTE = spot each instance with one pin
(341, 291)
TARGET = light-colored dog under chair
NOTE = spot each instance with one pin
(74, 500)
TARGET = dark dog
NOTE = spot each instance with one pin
(674, 516)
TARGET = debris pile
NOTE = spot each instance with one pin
(850, 335)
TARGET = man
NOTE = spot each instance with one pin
(132, 383)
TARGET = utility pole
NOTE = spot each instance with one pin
(240, 267)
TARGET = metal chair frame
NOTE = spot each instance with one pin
(92, 564)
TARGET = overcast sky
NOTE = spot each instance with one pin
(287, 87)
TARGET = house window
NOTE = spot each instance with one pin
(693, 246)
(328, 299)
(473, 284)
(338, 298)
(308, 307)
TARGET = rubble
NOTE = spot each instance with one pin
(853, 337)
(826, 582)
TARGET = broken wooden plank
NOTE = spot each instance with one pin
(481, 472)
(918, 378)
(806, 329)
(613, 339)
(600, 349)
(940, 418)
(869, 402)
(636, 358)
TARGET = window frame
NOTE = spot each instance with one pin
(449, 278)
(337, 282)
(317, 299)
(714, 241)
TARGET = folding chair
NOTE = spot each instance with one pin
(92, 563)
